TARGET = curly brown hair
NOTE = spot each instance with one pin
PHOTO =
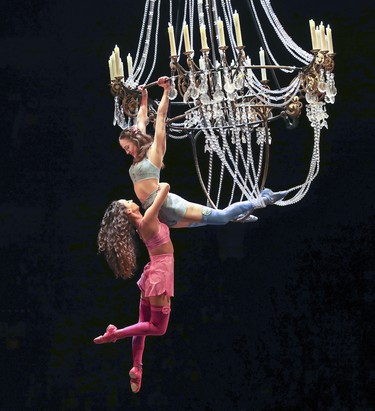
(116, 241)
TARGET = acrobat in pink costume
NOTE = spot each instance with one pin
(157, 279)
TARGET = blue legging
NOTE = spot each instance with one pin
(220, 217)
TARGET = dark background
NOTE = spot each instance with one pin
(274, 315)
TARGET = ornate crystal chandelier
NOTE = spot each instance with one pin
(223, 95)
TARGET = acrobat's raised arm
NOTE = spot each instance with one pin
(142, 118)
(160, 131)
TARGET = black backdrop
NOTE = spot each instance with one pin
(267, 316)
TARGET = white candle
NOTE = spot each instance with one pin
(111, 75)
(313, 34)
(187, 38)
(203, 37)
(329, 39)
(317, 37)
(237, 27)
(323, 45)
(121, 74)
(129, 61)
(171, 40)
(220, 28)
(113, 63)
(117, 61)
(262, 63)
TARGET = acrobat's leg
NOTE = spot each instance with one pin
(221, 217)
(138, 342)
(138, 345)
(157, 325)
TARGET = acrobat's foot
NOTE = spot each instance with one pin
(135, 375)
(108, 336)
(270, 197)
(243, 218)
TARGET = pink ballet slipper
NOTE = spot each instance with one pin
(108, 336)
(135, 375)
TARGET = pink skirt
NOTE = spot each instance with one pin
(158, 276)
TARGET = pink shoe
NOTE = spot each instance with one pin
(135, 375)
(108, 335)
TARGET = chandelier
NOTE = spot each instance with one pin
(226, 98)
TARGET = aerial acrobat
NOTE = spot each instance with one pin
(162, 210)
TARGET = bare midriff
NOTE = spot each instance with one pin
(144, 188)
(166, 248)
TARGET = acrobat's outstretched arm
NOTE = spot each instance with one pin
(142, 118)
(160, 131)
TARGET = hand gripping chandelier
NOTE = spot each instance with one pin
(220, 95)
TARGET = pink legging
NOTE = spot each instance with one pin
(153, 320)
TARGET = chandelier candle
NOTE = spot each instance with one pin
(323, 43)
(171, 40)
(220, 28)
(187, 39)
(313, 34)
(237, 27)
(262, 63)
(129, 60)
(110, 64)
(329, 39)
(203, 37)
(119, 71)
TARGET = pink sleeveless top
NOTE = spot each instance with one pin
(159, 238)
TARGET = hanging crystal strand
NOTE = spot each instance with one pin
(235, 180)
(209, 180)
(217, 149)
(140, 43)
(331, 90)
(142, 64)
(238, 143)
(254, 179)
(239, 179)
(118, 115)
(156, 45)
(200, 12)
(289, 44)
(277, 95)
(264, 38)
(215, 19)
(313, 170)
(140, 72)
(191, 23)
(179, 49)
(250, 159)
(222, 169)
